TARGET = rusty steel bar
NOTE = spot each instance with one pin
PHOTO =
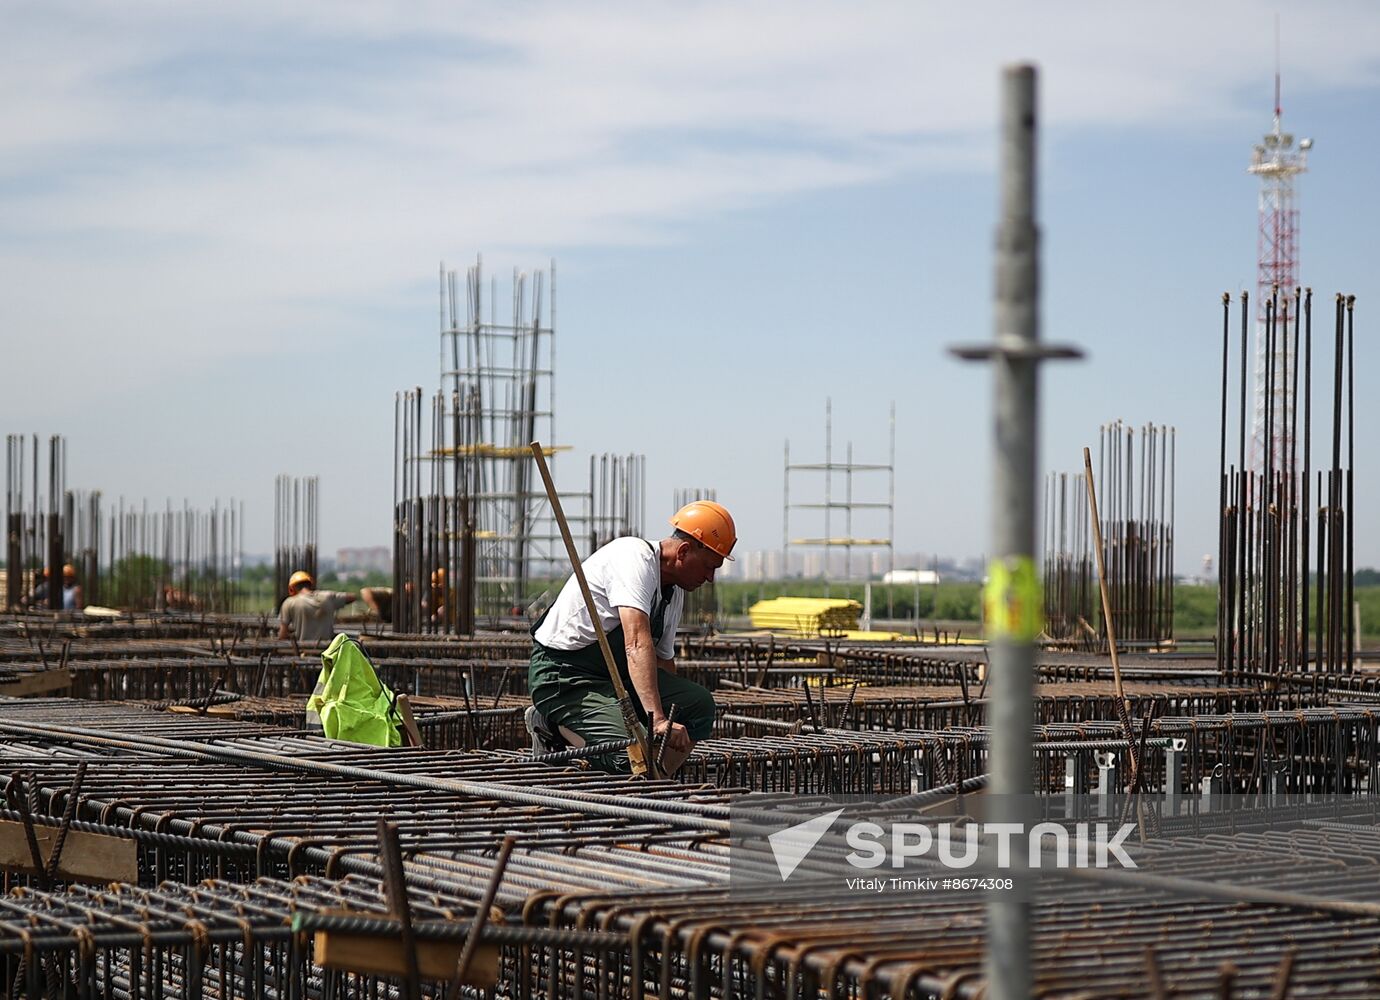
(1274, 618)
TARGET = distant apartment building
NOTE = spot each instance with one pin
(363, 561)
(752, 564)
(902, 569)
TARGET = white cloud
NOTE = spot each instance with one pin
(182, 185)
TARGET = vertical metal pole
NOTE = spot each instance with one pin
(1241, 617)
(786, 512)
(848, 520)
(1350, 522)
(828, 486)
(891, 512)
(1223, 601)
(54, 527)
(1012, 609)
(550, 366)
(1307, 471)
(1013, 511)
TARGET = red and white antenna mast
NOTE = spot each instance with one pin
(1276, 161)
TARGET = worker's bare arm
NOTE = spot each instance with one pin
(637, 640)
(642, 664)
(283, 631)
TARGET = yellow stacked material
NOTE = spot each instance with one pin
(805, 615)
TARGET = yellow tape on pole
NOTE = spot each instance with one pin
(1012, 602)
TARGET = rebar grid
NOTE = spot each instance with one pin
(1091, 939)
(895, 707)
(212, 941)
(244, 822)
(680, 936)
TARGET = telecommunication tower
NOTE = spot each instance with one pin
(1276, 160)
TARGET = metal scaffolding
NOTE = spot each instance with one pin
(497, 395)
(450, 563)
(848, 506)
(500, 374)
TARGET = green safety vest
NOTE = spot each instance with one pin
(350, 702)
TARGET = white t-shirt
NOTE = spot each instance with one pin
(625, 573)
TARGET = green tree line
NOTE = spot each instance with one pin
(1195, 605)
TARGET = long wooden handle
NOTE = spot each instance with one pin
(1123, 706)
(1102, 576)
(642, 748)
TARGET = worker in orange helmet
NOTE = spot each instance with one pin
(440, 598)
(72, 597)
(639, 588)
(308, 613)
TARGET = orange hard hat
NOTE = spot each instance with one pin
(438, 576)
(69, 570)
(708, 523)
(298, 579)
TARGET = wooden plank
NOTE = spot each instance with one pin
(218, 711)
(86, 857)
(37, 682)
(412, 736)
(368, 954)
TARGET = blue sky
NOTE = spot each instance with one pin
(220, 228)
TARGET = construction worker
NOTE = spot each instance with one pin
(308, 613)
(441, 596)
(379, 600)
(638, 588)
(38, 596)
(72, 597)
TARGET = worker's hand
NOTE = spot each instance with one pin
(679, 738)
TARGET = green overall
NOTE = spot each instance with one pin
(572, 688)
